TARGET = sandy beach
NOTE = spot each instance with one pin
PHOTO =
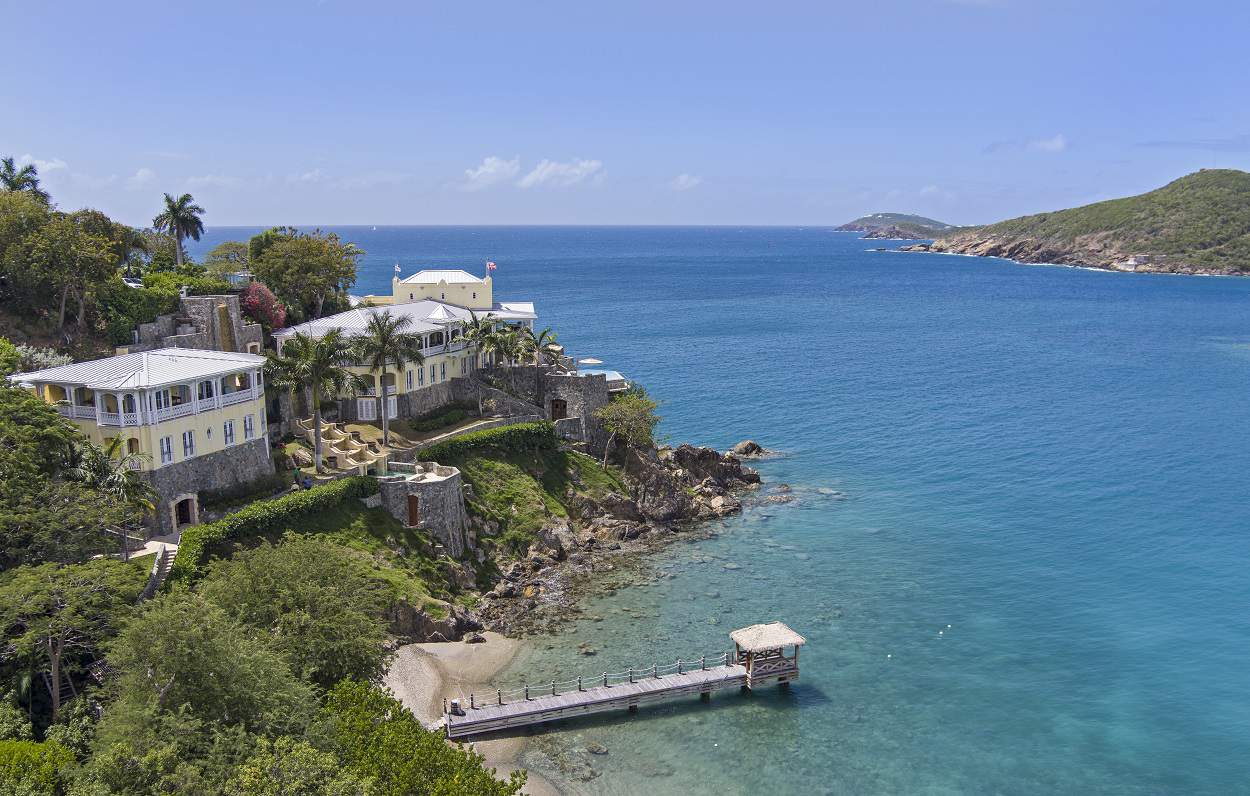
(423, 675)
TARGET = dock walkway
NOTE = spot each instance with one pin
(758, 658)
(623, 690)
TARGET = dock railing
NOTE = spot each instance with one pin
(525, 693)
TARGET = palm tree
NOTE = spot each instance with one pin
(546, 352)
(387, 343)
(114, 471)
(318, 365)
(24, 179)
(476, 332)
(181, 218)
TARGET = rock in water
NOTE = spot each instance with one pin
(748, 447)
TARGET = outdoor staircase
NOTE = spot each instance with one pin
(350, 452)
(160, 570)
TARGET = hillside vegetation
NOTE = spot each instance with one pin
(896, 225)
(1199, 223)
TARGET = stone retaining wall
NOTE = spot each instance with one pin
(222, 469)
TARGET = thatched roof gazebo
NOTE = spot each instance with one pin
(762, 650)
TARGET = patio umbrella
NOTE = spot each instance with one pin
(590, 361)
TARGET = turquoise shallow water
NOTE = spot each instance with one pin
(1051, 461)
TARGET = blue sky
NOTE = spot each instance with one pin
(626, 113)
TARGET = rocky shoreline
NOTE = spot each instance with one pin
(1093, 253)
(676, 491)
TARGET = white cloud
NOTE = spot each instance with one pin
(315, 175)
(550, 172)
(44, 166)
(492, 170)
(141, 178)
(684, 182)
(214, 180)
(1057, 143)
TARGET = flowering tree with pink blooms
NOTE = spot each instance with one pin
(262, 306)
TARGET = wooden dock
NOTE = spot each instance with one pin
(757, 659)
(642, 687)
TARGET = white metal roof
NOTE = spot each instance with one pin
(454, 276)
(144, 369)
(771, 636)
(427, 315)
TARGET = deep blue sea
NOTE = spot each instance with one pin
(1039, 579)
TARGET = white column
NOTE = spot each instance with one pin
(194, 392)
(96, 394)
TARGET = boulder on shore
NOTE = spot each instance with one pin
(749, 447)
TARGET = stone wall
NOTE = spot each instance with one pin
(582, 396)
(467, 389)
(520, 379)
(201, 323)
(225, 468)
(441, 509)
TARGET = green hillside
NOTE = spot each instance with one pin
(1198, 223)
(901, 221)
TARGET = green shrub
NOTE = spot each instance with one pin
(518, 438)
(260, 519)
(196, 285)
(124, 307)
(245, 492)
(33, 769)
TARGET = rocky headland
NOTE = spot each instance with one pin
(1198, 224)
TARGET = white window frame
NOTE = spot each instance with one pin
(392, 407)
(227, 432)
(188, 444)
(442, 370)
(249, 427)
(408, 376)
(367, 408)
(167, 449)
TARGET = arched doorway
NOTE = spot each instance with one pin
(186, 510)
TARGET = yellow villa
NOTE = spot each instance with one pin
(438, 303)
(197, 417)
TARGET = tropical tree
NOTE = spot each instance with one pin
(304, 269)
(630, 417)
(226, 258)
(476, 332)
(546, 352)
(57, 614)
(180, 218)
(65, 258)
(113, 471)
(24, 179)
(385, 344)
(319, 603)
(319, 365)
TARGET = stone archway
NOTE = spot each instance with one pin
(185, 510)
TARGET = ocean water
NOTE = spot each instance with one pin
(1036, 578)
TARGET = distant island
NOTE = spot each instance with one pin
(896, 226)
(1198, 224)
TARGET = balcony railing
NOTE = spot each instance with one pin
(207, 403)
(232, 398)
(371, 392)
(80, 412)
(119, 419)
(170, 412)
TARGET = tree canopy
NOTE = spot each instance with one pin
(306, 269)
(318, 602)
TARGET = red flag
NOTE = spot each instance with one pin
(490, 266)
